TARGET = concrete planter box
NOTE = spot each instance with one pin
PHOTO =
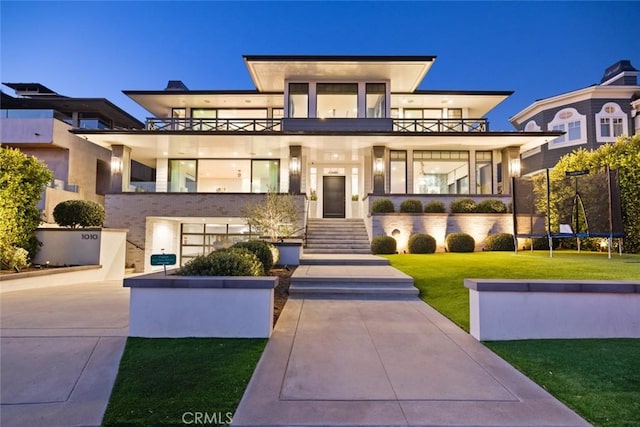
(511, 309)
(200, 306)
(290, 251)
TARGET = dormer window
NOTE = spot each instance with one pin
(573, 123)
(611, 122)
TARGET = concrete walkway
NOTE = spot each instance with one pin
(348, 360)
(60, 348)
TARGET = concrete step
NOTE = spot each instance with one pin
(342, 260)
(334, 251)
(336, 246)
(354, 290)
(316, 240)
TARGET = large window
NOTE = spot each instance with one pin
(337, 100)
(441, 172)
(265, 175)
(484, 172)
(611, 122)
(224, 176)
(182, 176)
(398, 171)
(204, 118)
(299, 100)
(376, 95)
(573, 124)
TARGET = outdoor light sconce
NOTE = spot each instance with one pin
(116, 165)
(378, 166)
(294, 166)
(514, 167)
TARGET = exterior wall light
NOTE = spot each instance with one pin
(514, 167)
(294, 166)
(116, 165)
(378, 166)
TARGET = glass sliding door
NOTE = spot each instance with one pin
(484, 172)
(265, 176)
(299, 100)
(376, 96)
(398, 172)
(337, 100)
(182, 176)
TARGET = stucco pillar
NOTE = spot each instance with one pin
(120, 168)
(295, 165)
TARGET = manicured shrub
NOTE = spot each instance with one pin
(382, 206)
(383, 245)
(79, 213)
(491, 206)
(434, 206)
(225, 262)
(460, 242)
(422, 244)
(259, 248)
(499, 242)
(464, 205)
(411, 206)
(12, 257)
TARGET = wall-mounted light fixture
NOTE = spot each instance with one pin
(294, 165)
(514, 167)
(116, 165)
(378, 166)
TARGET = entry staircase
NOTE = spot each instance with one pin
(337, 236)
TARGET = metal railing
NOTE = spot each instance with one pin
(440, 125)
(213, 125)
(275, 125)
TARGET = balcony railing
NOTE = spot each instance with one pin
(275, 125)
(213, 125)
(440, 125)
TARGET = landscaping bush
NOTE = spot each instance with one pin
(422, 244)
(460, 242)
(383, 245)
(464, 205)
(491, 206)
(225, 262)
(499, 242)
(411, 206)
(434, 207)
(79, 213)
(382, 206)
(12, 257)
(260, 249)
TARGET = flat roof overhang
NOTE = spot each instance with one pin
(405, 73)
(147, 146)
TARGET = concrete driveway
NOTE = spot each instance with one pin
(59, 353)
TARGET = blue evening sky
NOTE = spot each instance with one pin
(97, 49)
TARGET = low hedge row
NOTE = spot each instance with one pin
(461, 205)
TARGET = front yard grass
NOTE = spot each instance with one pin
(440, 277)
(162, 379)
(598, 378)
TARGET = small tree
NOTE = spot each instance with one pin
(22, 179)
(79, 213)
(277, 216)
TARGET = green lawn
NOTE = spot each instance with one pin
(440, 277)
(162, 380)
(598, 378)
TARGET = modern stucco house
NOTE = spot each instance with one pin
(589, 116)
(335, 128)
(38, 120)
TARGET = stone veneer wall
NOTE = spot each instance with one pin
(132, 210)
(479, 226)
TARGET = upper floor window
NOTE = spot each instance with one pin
(611, 122)
(531, 126)
(337, 100)
(573, 124)
(376, 96)
(299, 100)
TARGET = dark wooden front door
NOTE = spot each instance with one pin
(333, 196)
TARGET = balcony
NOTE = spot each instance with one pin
(317, 125)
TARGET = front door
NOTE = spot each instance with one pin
(333, 196)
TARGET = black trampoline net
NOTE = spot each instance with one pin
(580, 204)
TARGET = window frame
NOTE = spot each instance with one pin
(611, 117)
(561, 122)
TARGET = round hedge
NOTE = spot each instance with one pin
(382, 206)
(491, 206)
(411, 206)
(499, 242)
(464, 205)
(422, 244)
(79, 213)
(460, 242)
(225, 262)
(260, 249)
(434, 206)
(384, 245)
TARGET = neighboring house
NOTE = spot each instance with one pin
(37, 121)
(590, 117)
(338, 127)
